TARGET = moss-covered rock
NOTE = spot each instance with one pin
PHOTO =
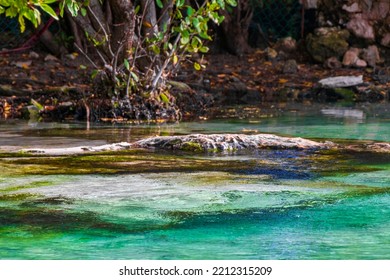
(326, 43)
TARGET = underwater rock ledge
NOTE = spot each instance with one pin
(200, 143)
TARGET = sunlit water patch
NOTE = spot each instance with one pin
(213, 215)
(146, 205)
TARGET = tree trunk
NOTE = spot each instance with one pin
(235, 27)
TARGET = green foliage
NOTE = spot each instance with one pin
(74, 7)
(29, 10)
(193, 28)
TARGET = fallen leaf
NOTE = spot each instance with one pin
(23, 64)
(282, 81)
(50, 57)
(147, 24)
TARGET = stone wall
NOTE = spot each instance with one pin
(366, 19)
(368, 23)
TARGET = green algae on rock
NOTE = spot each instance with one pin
(213, 143)
(197, 143)
(230, 142)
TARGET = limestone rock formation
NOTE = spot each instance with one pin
(229, 142)
(211, 143)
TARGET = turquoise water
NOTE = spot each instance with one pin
(271, 205)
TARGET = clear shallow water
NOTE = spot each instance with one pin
(273, 205)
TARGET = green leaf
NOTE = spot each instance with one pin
(49, 10)
(196, 23)
(49, 1)
(22, 23)
(195, 42)
(179, 15)
(180, 85)
(134, 76)
(73, 8)
(175, 59)
(159, 4)
(62, 6)
(127, 64)
(184, 40)
(204, 49)
(83, 12)
(220, 19)
(197, 66)
(190, 11)
(179, 3)
(155, 49)
(232, 3)
(204, 35)
(94, 73)
(185, 37)
(38, 105)
(37, 16)
(31, 16)
(11, 12)
(137, 9)
(164, 98)
(221, 3)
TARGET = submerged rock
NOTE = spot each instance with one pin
(219, 143)
(199, 143)
(229, 142)
(79, 149)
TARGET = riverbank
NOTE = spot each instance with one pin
(62, 89)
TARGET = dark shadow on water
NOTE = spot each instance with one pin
(294, 173)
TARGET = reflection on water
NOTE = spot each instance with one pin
(348, 114)
(271, 205)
